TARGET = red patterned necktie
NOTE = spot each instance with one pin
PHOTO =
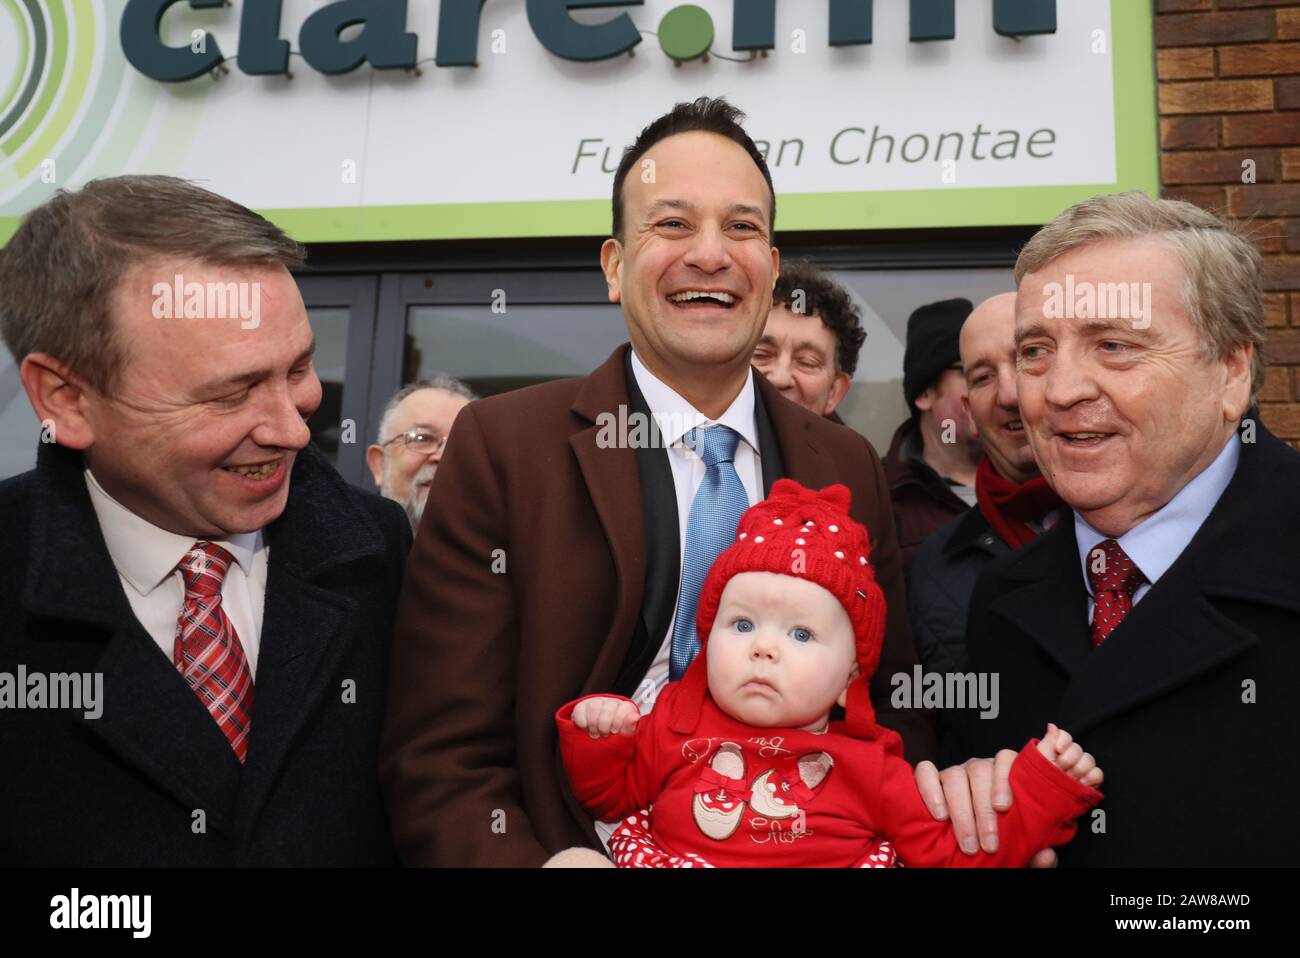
(208, 653)
(1114, 579)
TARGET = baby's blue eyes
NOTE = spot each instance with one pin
(797, 633)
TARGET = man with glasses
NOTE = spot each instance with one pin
(412, 434)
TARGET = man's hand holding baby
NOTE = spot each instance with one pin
(604, 715)
(1066, 754)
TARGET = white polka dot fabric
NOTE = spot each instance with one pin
(1114, 579)
(633, 846)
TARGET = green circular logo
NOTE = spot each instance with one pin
(686, 32)
(17, 78)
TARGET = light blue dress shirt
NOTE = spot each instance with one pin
(1159, 539)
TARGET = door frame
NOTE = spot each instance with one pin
(357, 294)
(400, 291)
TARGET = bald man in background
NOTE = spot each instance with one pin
(1013, 502)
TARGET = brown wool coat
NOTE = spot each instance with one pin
(483, 659)
(923, 502)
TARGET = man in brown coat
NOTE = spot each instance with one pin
(931, 460)
(550, 564)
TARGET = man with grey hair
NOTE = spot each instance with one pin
(1160, 619)
(412, 435)
(181, 537)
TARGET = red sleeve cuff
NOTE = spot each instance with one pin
(598, 769)
(565, 714)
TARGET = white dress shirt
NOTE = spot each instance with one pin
(1158, 540)
(147, 559)
(676, 417)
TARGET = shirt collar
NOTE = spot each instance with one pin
(1158, 540)
(912, 449)
(676, 417)
(146, 555)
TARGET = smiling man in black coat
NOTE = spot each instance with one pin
(195, 609)
(1160, 622)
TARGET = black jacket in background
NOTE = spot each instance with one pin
(943, 577)
(123, 789)
(1188, 706)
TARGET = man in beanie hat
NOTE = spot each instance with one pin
(740, 758)
(931, 461)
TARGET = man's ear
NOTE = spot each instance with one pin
(58, 395)
(839, 389)
(970, 419)
(925, 401)
(375, 460)
(611, 264)
(1236, 393)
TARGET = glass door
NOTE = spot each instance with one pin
(341, 310)
(495, 330)
(20, 430)
(501, 329)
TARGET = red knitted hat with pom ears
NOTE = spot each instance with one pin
(809, 535)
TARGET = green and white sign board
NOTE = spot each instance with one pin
(354, 120)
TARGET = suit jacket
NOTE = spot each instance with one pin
(533, 582)
(126, 788)
(1187, 705)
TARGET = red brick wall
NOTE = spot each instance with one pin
(1229, 90)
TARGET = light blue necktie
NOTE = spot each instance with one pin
(715, 512)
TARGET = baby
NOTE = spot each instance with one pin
(740, 760)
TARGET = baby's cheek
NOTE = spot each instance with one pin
(724, 660)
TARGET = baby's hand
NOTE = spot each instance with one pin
(606, 715)
(1067, 755)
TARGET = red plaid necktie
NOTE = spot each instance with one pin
(208, 653)
(1114, 579)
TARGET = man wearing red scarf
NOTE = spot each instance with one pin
(1015, 503)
